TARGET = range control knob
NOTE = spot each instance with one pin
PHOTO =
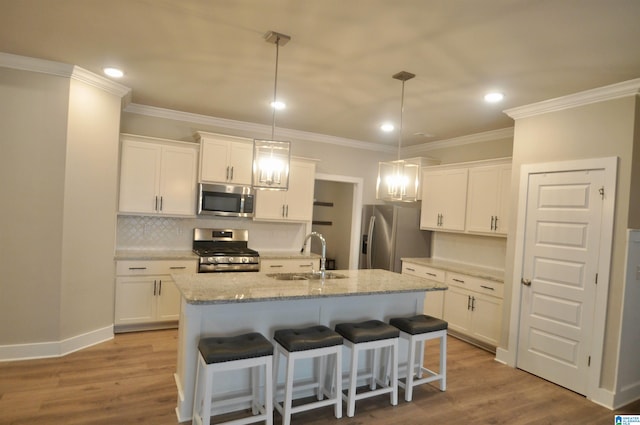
(245, 260)
(230, 259)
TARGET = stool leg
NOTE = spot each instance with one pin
(197, 397)
(374, 369)
(338, 383)
(288, 392)
(353, 377)
(321, 370)
(443, 362)
(411, 361)
(268, 392)
(394, 373)
(207, 394)
(255, 399)
(421, 345)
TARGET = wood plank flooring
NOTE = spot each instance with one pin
(129, 380)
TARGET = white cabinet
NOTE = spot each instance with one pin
(488, 199)
(157, 176)
(444, 198)
(225, 159)
(434, 300)
(473, 307)
(295, 204)
(146, 296)
(289, 265)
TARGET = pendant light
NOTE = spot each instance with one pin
(271, 157)
(399, 180)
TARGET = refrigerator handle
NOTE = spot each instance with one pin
(372, 224)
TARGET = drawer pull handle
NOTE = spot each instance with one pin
(431, 274)
(137, 268)
(487, 287)
(274, 266)
(305, 265)
(178, 267)
(410, 269)
(458, 280)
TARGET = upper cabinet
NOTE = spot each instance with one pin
(295, 204)
(157, 176)
(487, 200)
(470, 197)
(225, 159)
(444, 198)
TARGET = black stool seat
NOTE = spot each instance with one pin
(307, 338)
(370, 330)
(225, 349)
(419, 324)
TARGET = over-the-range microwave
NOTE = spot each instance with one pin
(225, 200)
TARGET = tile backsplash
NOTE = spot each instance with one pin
(171, 233)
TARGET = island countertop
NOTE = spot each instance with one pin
(226, 288)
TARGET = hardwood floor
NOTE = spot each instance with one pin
(129, 380)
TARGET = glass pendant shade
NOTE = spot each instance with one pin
(271, 164)
(398, 180)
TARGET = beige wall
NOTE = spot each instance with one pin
(58, 181)
(33, 119)
(592, 131)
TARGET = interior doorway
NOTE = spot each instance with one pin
(337, 215)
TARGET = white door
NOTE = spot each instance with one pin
(561, 248)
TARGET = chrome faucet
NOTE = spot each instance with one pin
(323, 260)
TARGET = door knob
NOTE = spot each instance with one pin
(525, 282)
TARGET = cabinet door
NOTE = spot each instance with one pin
(135, 300)
(299, 198)
(178, 181)
(214, 160)
(168, 299)
(444, 199)
(139, 177)
(487, 187)
(434, 304)
(457, 309)
(270, 205)
(241, 163)
(487, 318)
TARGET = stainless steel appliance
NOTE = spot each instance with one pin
(224, 250)
(225, 200)
(389, 233)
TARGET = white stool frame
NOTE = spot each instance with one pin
(389, 384)
(418, 341)
(203, 404)
(333, 396)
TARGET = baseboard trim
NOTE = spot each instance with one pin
(41, 350)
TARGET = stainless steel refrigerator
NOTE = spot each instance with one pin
(389, 233)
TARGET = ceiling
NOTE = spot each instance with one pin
(209, 57)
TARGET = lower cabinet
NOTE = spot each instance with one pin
(146, 296)
(289, 265)
(472, 306)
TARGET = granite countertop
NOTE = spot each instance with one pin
(451, 266)
(143, 254)
(226, 288)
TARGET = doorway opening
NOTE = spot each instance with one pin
(337, 210)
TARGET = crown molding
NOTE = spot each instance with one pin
(257, 130)
(487, 136)
(600, 94)
(59, 69)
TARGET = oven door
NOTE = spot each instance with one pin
(225, 200)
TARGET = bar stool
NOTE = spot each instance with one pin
(308, 343)
(416, 330)
(221, 354)
(370, 335)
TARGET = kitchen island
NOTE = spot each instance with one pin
(217, 304)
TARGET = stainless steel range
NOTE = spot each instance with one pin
(224, 250)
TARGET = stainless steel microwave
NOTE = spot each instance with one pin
(225, 200)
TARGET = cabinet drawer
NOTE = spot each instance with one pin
(423, 272)
(471, 283)
(155, 267)
(289, 265)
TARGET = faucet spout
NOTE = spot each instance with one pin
(323, 259)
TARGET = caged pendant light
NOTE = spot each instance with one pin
(271, 157)
(399, 180)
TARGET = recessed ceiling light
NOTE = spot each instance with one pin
(387, 127)
(278, 105)
(113, 72)
(493, 97)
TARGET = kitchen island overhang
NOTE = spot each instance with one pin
(218, 304)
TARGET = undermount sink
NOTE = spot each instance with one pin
(306, 276)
